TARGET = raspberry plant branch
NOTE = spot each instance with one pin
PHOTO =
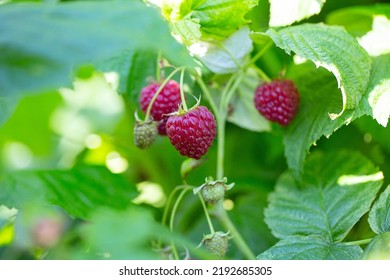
(149, 109)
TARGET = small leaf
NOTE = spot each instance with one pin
(379, 217)
(378, 248)
(329, 201)
(79, 191)
(287, 12)
(224, 57)
(244, 113)
(190, 164)
(310, 248)
(335, 50)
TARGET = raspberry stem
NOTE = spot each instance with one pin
(212, 230)
(149, 109)
(183, 99)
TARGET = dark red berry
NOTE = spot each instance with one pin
(167, 102)
(277, 101)
(193, 132)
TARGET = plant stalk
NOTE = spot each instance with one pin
(222, 216)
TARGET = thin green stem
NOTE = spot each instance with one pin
(172, 219)
(147, 115)
(224, 219)
(262, 74)
(158, 68)
(260, 53)
(225, 91)
(231, 91)
(212, 230)
(183, 99)
(359, 242)
(207, 93)
(221, 146)
(168, 204)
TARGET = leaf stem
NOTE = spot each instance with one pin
(359, 242)
(147, 115)
(222, 216)
(212, 230)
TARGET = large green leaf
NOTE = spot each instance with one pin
(379, 217)
(310, 248)
(335, 191)
(335, 50)
(78, 191)
(205, 20)
(313, 121)
(42, 44)
(134, 68)
(287, 12)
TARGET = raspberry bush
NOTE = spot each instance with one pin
(194, 130)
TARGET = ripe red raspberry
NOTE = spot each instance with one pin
(277, 101)
(193, 132)
(167, 102)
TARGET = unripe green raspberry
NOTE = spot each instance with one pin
(217, 243)
(213, 193)
(213, 190)
(144, 134)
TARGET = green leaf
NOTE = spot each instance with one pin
(335, 50)
(134, 68)
(357, 20)
(205, 20)
(379, 217)
(244, 114)
(310, 248)
(7, 106)
(35, 57)
(312, 120)
(227, 56)
(287, 12)
(378, 92)
(336, 190)
(79, 191)
(122, 234)
(378, 248)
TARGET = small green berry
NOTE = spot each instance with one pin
(144, 134)
(213, 193)
(217, 243)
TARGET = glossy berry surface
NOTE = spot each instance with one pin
(168, 101)
(277, 101)
(193, 132)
